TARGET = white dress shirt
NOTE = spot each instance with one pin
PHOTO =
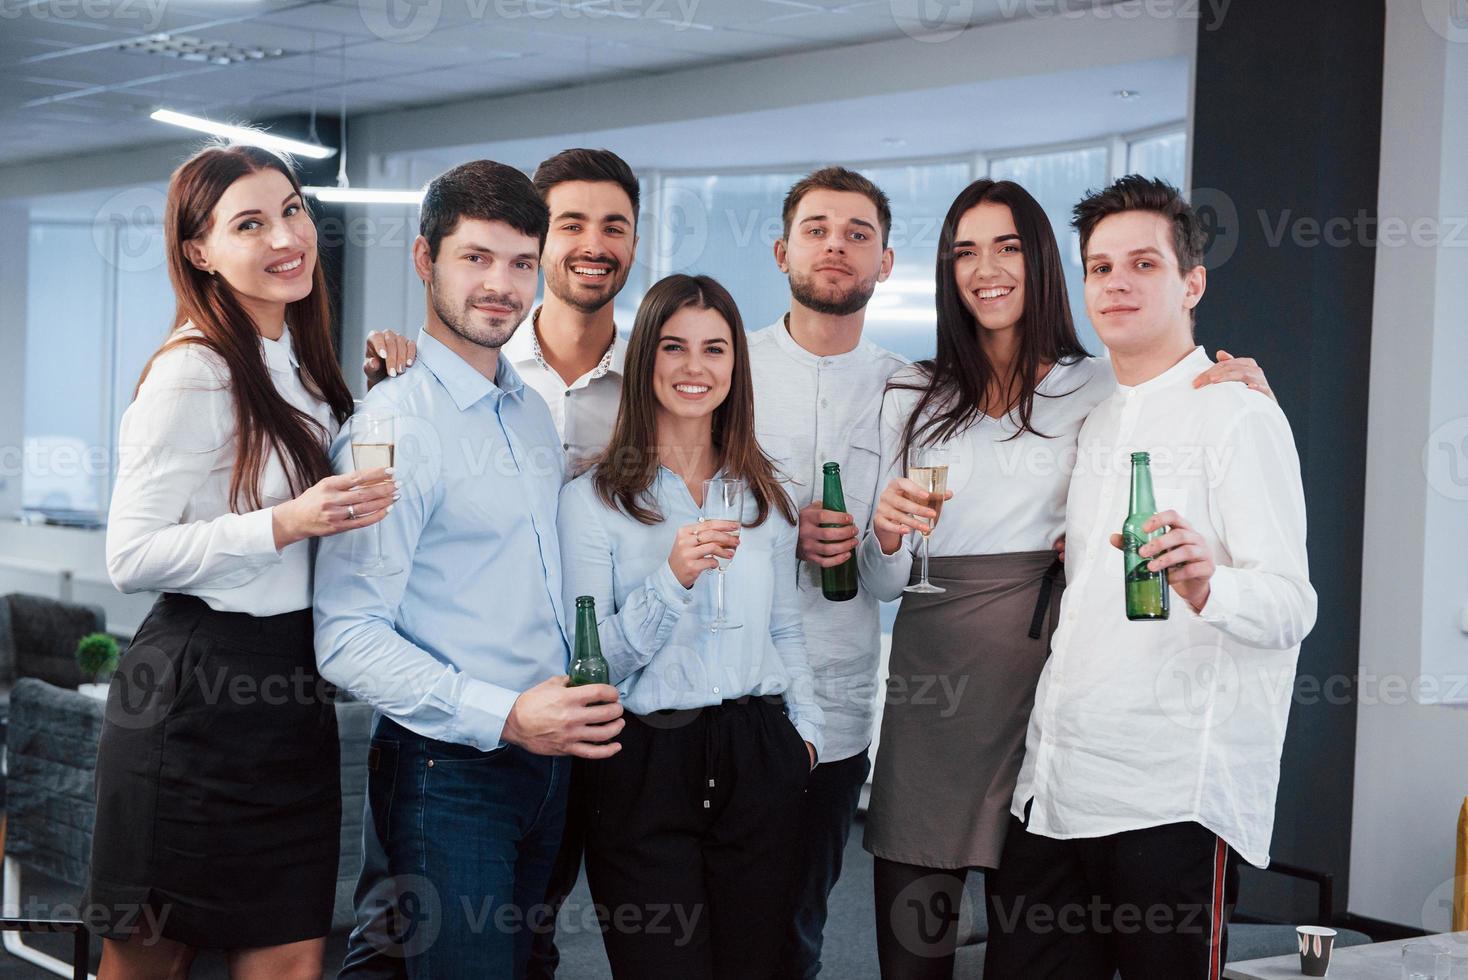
(1008, 490)
(171, 527)
(1140, 724)
(583, 411)
(809, 410)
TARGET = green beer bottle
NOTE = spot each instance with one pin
(837, 584)
(1146, 592)
(588, 666)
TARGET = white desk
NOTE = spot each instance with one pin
(1378, 961)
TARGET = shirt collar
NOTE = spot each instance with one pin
(1183, 371)
(788, 345)
(465, 385)
(525, 346)
(280, 355)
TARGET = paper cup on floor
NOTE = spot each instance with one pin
(1315, 946)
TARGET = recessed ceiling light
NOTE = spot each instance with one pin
(187, 48)
(893, 141)
(1127, 94)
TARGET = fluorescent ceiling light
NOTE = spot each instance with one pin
(244, 134)
(364, 195)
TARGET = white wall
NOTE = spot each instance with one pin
(1411, 757)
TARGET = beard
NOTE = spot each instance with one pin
(831, 302)
(495, 334)
(560, 281)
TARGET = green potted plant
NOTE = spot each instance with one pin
(96, 654)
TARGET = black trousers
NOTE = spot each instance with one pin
(691, 841)
(1152, 903)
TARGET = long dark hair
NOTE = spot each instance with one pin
(628, 467)
(264, 421)
(960, 375)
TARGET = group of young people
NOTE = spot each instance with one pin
(710, 787)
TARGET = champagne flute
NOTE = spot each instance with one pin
(928, 468)
(373, 447)
(723, 500)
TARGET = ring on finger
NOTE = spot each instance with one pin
(351, 512)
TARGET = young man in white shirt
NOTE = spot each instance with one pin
(1152, 757)
(818, 388)
(572, 354)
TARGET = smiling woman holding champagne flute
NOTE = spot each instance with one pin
(722, 725)
(218, 802)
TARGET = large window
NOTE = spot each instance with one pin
(98, 304)
(1163, 155)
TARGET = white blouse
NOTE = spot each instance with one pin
(1008, 493)
(170, 527)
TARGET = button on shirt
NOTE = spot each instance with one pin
(1138, 725)
(171, 526)
(654, 633)
(810, 410)
(474, 617)
(583, 411)
(1009, 487)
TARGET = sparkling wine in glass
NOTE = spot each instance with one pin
(373, 446)
(723, 500)
(928, 468)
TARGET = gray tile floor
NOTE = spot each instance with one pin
(850, 948)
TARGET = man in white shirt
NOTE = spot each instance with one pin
(1152, 757)
(818, 388)
(573, 355)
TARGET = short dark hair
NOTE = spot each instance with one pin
(485, 191)
(595, 166)
(1137, 193)
(838, 179)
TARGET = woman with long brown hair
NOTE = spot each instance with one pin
(694, 815)
(218, 796)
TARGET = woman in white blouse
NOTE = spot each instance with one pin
(696, 810)
(1005, 396)
(218, 797)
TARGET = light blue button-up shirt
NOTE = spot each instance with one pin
(474, 618)
(654, 633)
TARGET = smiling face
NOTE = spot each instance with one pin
(483, 281)
(834, 253)
(261, 242)
(1137, 297)
(694, 366)
(591, 243)
(989, 265)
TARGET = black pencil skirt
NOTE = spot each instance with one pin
(218, 782)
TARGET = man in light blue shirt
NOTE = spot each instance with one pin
(463, 649)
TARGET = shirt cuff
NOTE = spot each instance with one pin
(259, 529)
(1223, 598)
(875, 552)
(483, 710)
(812, 734)
(668, 588)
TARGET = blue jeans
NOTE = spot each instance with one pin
(369, 954)
(470, 838)
(826, 813)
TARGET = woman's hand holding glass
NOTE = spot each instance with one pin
(698, 548)
(903, 507)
